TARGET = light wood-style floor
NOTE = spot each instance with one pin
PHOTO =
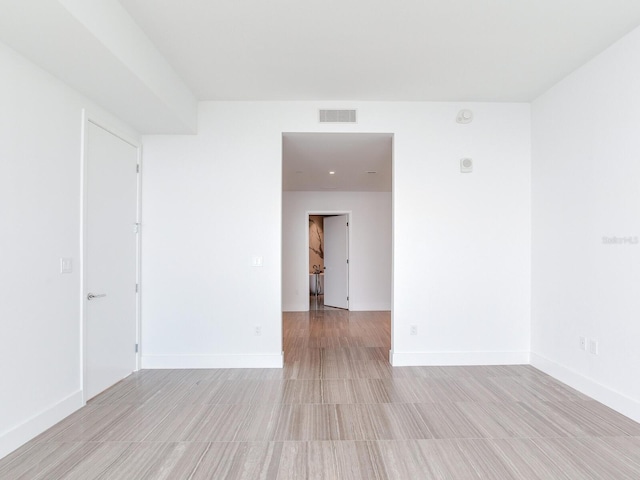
(337, 410)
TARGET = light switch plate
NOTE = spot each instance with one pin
(66, 265)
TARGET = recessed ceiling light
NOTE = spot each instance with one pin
(332, 173)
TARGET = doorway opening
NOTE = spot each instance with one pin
(332, 175)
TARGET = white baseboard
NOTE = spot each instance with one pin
(370, 307)
(415, 359)
(212, 361)
(617, 401)
(302, 307)
(17, 436)
(353, 307)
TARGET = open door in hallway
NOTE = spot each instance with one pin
(336, 261)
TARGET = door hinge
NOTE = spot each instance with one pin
(136, 348)
(137, 168)
(136, 228)
(347, 299)
(347, 224)
(136, 288)
(347, 260)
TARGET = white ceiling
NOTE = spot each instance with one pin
(307, 159)
(149, 61)
(432, 50)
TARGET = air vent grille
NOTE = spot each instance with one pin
(337, 116)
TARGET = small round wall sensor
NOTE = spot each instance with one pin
(466, 165)
(464, 117)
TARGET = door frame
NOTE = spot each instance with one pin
(89, 117)
(327, 213)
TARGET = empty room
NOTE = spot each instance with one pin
(160, 163)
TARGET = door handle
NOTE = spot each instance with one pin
(91, 296)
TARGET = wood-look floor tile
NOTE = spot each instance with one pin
(586, 459)
(368, 390)
(330, 460)
(337, 410)
(483, 458)
(424, 459)
(90, 461)
(36, 459)
(606, 415)
(155, 461)
(398, 421)
(201, 392)
(234, 391)
(373, 390)
(94, 421)
(601, 454)
(499, 420)
(578, 421)
(443, 459)
(294, 461)
(128, 391)
(261, 422)
(401, 390)
(526, 461)
(626, 448)
(446, 420)
(135, 425)
(302, 391)
(477, 389)
(239, 461)
(307, 422)
(358, 460)
(288, 391)
(308, 460)
(219, 423)
(354, 422)
(179, 424)
(338, 390)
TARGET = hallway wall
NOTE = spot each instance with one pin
(461, 241)
(370, 241)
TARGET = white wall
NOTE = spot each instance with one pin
(40, 339)
(370, 246)
(586, 186)
(462, 241)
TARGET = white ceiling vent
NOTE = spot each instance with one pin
(337, 116)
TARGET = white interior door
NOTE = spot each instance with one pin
(110, 259)
(336, 261)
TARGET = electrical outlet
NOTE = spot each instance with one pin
(258, 330)
(593, 347)
(413, 330)
(583, 343)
